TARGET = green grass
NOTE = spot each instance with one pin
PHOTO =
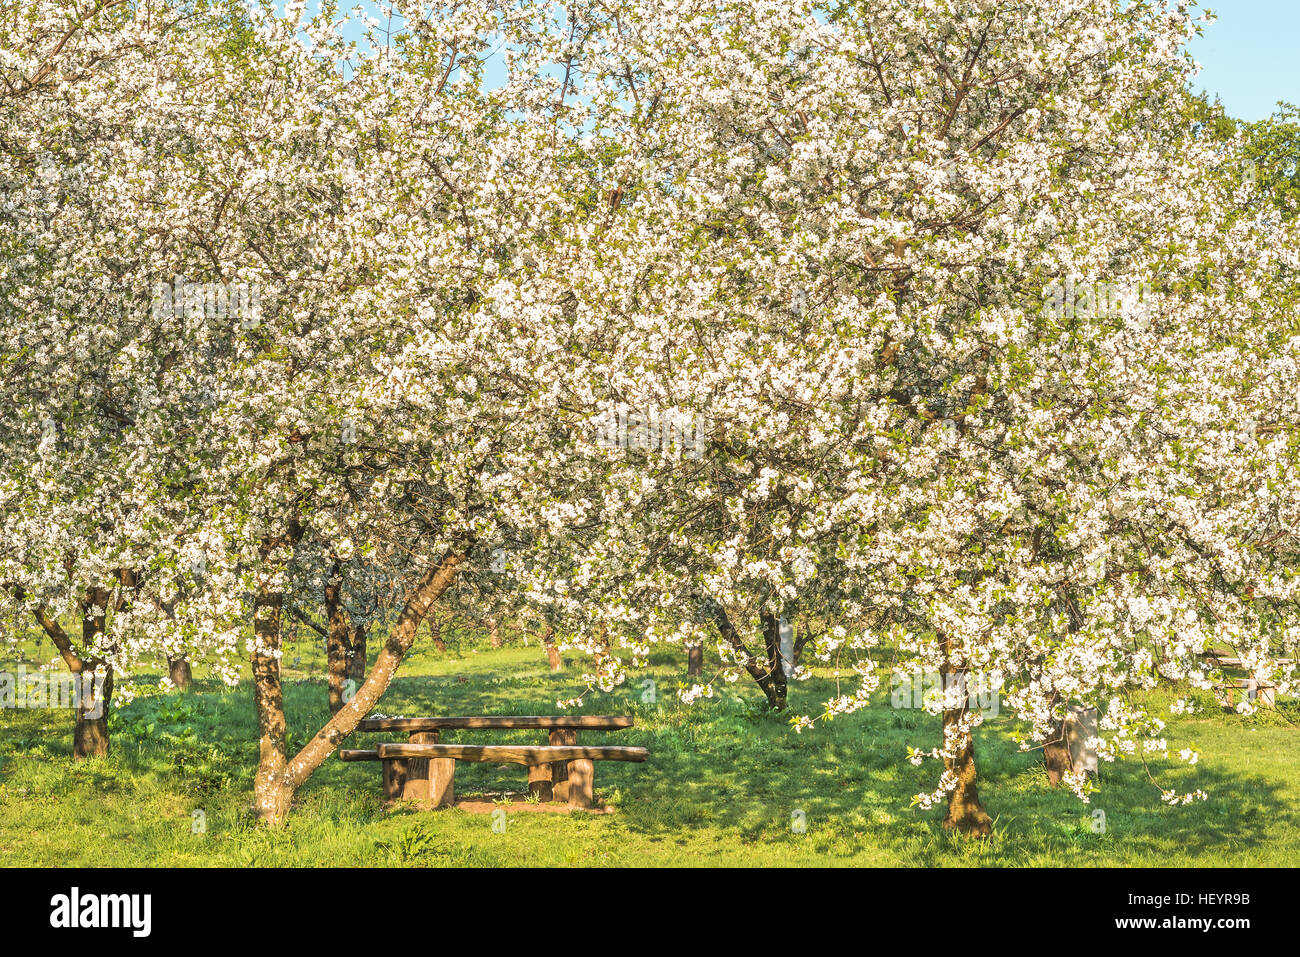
(722, 783)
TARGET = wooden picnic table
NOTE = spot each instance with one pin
(423, 769)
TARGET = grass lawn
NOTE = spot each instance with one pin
(721, 785)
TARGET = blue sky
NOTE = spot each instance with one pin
(1251, 55)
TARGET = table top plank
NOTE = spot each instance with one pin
(513, 754)
(502, 722)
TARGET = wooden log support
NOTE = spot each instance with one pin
(417, 769)
(582, 783)
(352, 754)
(539, 782)
(561, 737)
(424, 770)
(442, 782)
(394, 772)
(513, 753)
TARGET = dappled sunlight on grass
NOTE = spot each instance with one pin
(724, 782)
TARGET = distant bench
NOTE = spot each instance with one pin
(1263, 693)
(424, 770)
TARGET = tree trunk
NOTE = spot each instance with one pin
(180, 673)
(765, 679)
(278, 780)
(90, 732)
(1056, 755)
(357, 660)
(694, 661)
(271, 796)
(338, 638)
(90, 735)
(435, 629)
(777, 686)
(552, 652)
(494, 633)
(965, 812)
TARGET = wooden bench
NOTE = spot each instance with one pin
(424, 770)
(1262, 693)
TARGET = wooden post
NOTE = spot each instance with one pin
(442, 782)
(539, 781)
(394, 778)
(582, 775)
(417, 769)
(560, 769)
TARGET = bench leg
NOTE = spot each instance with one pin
(441, 782)
(394, 778)
(560, 769)
(582, 775)
(539, 782)
(417, 769)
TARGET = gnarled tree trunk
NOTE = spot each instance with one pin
(278, 777)
(271, 796)
(357, 654)
(90, 734)
(965, 812)
(779, 684)
(345, 642)
(180, 673)
(552, 652)
(92, 696)
(338, 638)
(765, 678)
(1056, 755)
(694, 661)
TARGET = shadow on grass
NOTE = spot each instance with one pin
(724, 777)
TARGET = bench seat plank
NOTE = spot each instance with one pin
(358, 754)
(502, 722)
(508, 754)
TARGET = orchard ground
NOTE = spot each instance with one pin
(722, 784)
